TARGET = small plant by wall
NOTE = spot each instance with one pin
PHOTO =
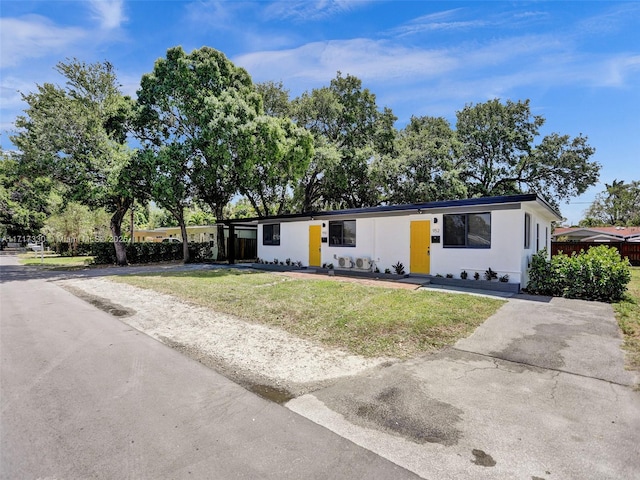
(398, 268)
(476, 276)
(464, 275)
(490, 274)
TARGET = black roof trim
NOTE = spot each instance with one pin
(466, 202)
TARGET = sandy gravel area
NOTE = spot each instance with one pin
(252, 354)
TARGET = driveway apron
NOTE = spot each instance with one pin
(539, 391)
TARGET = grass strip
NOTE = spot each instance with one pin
(365, 320)
(628, 315)
(54, 260)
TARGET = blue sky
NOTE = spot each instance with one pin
(578, 62)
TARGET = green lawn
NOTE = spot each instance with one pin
(628, 314)
(366, 320)
(54, 260)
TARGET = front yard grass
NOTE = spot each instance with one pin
(54, 260)
(628, 315)
(365, 320)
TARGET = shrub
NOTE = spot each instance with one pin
(147, 252)
(464, 275)
(476, 276)
(597, 274)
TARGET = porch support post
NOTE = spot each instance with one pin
(231, 254)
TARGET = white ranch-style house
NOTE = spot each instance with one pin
(433, 238)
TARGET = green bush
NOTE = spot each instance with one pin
(597, 274)
(104, 253)
(64, 249)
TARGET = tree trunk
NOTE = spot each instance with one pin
(185, 240)
(116, 232)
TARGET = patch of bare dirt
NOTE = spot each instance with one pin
(266, 360)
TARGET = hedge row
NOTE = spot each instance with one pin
(597, 274)
(148, 252)
(67, 249)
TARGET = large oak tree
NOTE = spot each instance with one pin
(195, 113)
(502, 153)
(76, 135)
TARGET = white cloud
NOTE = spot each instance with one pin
(109, 13)
(438, 21)
(308, 10)
(418, 78)
(33, 36)
(318, 62)
(616, 71)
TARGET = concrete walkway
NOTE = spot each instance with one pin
(539, 391)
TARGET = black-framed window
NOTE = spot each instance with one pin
(271, 234)
(527, 230)
(342, 233)
(467, 230)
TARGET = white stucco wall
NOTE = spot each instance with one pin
(503, 256)
(386, 241)
(294, 243)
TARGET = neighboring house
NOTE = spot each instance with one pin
(447, 237)
(596, 234)
(571, 240)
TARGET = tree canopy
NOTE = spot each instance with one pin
(209, 135)
(76, 135)
(499, 155)
(618, 204)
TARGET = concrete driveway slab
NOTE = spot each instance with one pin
(573, 336)
(553, 408)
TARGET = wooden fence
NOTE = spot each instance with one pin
(246, 248)
(631, 250)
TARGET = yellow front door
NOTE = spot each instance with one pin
(420, 247)
(314, 245)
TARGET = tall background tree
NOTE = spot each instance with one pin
(276, 158)
(24, 200)
(619, 204)
(194, 112)
(423, 166)
(499, 155)
(76, 135)
(349, 131)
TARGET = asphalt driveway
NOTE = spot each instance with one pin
(539, 391)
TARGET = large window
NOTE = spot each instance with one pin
(342, 233)
(271, 234)
(467, 230)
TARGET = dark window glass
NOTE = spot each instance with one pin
(527, 230)
(454, 230)
(271, 234)
(470, 230)
(479, 230)
(342, 233)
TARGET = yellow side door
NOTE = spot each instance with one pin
(314, 246)
(420, 247)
